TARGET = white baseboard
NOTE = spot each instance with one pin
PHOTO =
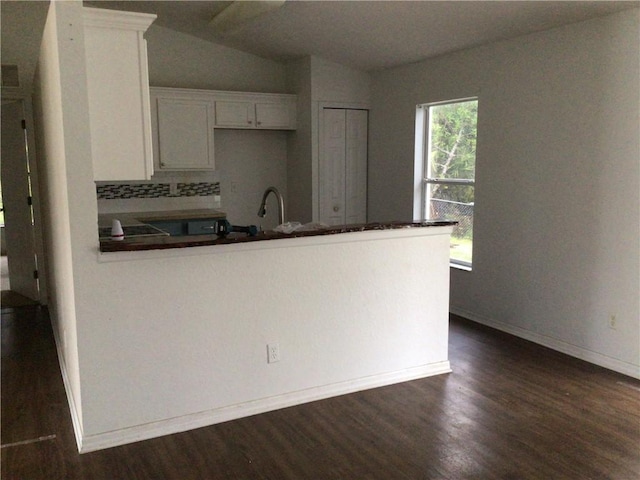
(75, 418)
(616, 365)
(202, 419)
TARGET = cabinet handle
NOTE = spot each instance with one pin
(249, 122)
(258, 123)
(162, 164)
(336, 208)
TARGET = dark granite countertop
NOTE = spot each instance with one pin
(160, 242)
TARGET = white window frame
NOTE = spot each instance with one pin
(421, 168)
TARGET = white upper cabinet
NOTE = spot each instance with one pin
(118, 89)
(182, 131)
(235, 114)
(184, 120)
(276, 115)
(255, 110)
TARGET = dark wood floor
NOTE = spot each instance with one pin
(510, 410)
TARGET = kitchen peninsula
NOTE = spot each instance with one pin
(164, 340)
(344, 309)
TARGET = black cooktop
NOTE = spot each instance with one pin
(133, 231)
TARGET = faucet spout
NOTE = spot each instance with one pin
(263, 206)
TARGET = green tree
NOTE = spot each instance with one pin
(453, 148)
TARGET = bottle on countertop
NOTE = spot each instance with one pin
(117, 233)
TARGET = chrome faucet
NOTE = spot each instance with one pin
(263, 210)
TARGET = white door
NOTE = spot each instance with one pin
(356, 166)
(16, 196)
(332, 167)
(343, 166)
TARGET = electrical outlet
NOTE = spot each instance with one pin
(613, 322)
(273, 353)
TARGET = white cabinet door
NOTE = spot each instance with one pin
(356, 130)
(273, 115)
(343, 166)
(332, 167)
(184, 134)
(235, 114)
(118, 89)
(254, 110)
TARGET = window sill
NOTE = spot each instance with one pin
(458, 266)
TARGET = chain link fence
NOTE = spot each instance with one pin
(450, 210)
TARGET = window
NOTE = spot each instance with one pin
(445, 170)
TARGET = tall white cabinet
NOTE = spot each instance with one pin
(342, 169)
(118, 89)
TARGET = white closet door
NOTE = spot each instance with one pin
(343, 166)
(332, 167)
(356, 166)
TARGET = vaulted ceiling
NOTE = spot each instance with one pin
(368, 35)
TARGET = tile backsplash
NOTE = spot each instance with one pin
(112, 191)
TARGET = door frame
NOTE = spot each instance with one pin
(32, 156)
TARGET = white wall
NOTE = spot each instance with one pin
(183, 61)
(299, 149)
(332, 82)
(248, 162)
(557, 187)
(317, 81)
(179, 338)
(64, 160)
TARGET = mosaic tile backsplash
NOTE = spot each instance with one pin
(156, 190)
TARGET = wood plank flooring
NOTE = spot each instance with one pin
(510, 410)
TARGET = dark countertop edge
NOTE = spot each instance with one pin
(161, 243)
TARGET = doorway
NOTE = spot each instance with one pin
(19, 255)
